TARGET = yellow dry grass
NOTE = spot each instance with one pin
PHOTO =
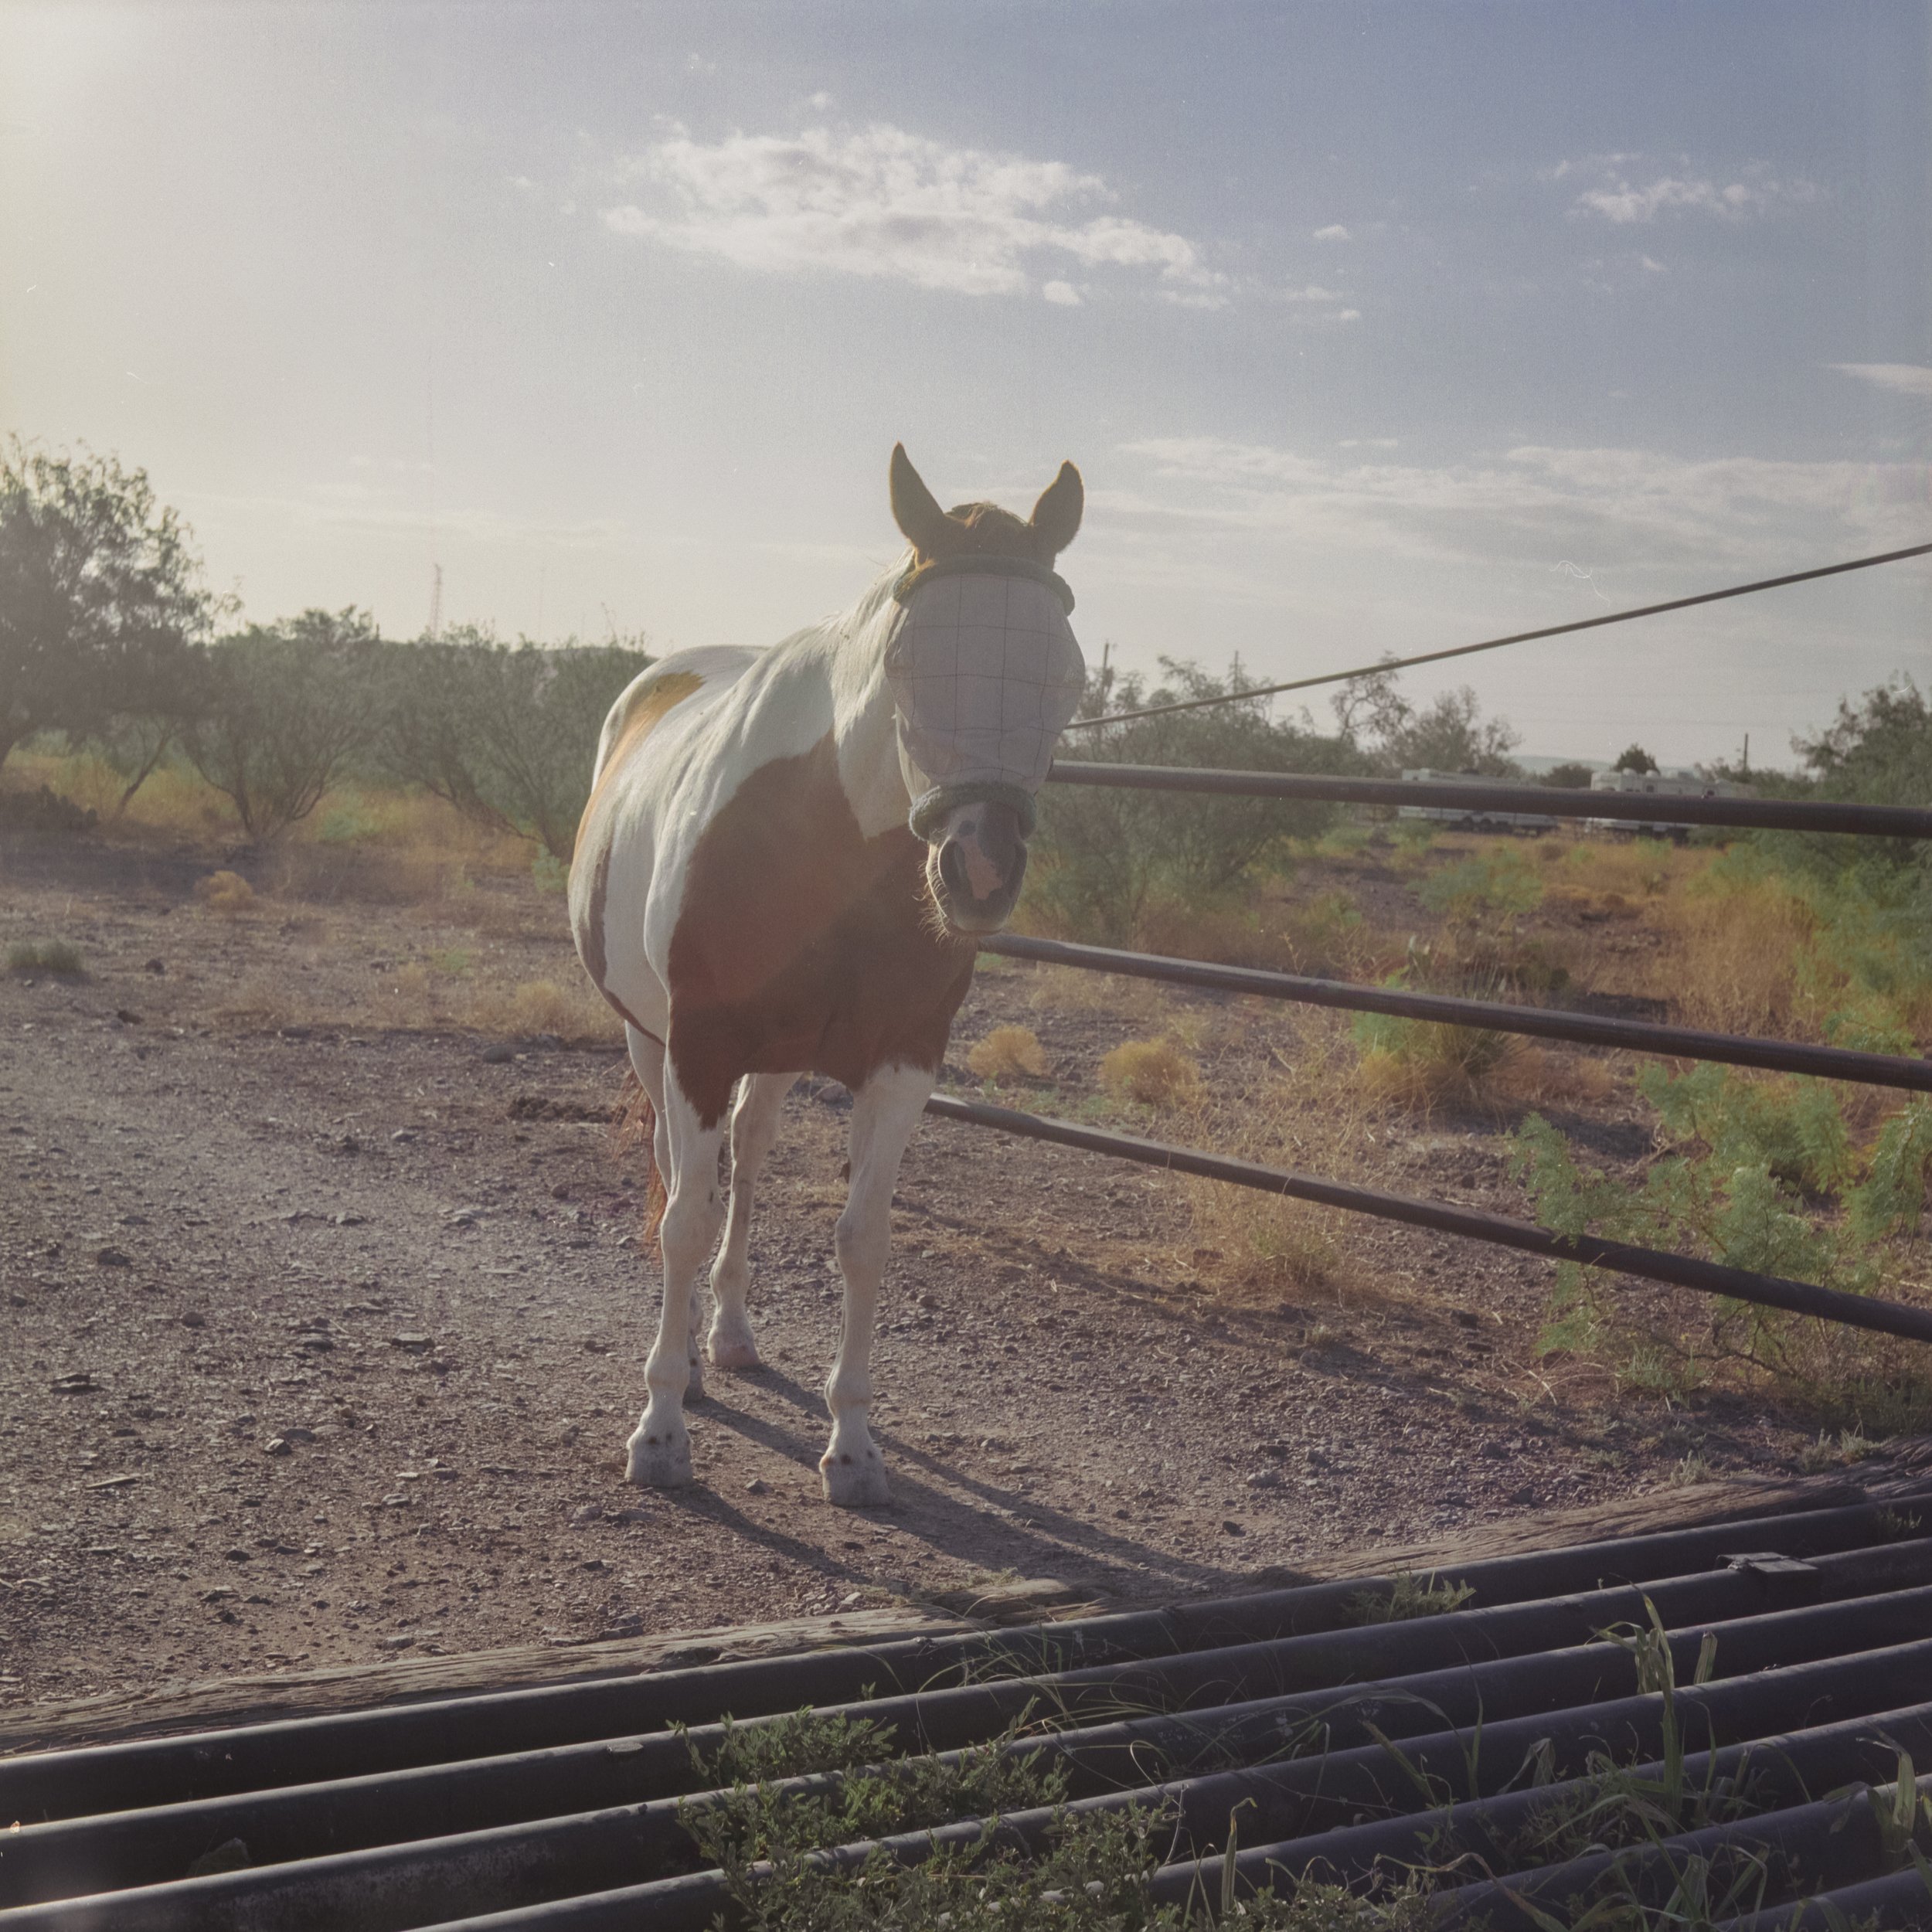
(572, 1010)
(1301, 1110)
(1154, 1073)
(1735, 955)
(1072, 989)
(1009, 1052)
(226, 893)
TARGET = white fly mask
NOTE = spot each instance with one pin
(986, 675)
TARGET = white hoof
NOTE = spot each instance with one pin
(855, 1481)
(658, 1459)
(733, 1348)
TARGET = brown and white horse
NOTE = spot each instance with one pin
(784, 861)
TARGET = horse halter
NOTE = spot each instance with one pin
(985, 674)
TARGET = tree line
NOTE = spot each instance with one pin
(110, 641)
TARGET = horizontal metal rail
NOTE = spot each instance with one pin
(1587, 1030)
(1639, 807)
(1649, 1265)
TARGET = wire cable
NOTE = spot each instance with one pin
(1518, 637)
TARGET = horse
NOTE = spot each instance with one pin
(785, 865)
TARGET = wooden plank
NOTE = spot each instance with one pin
(408, 1680)
(1737, 1500)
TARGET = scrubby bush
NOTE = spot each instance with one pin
(101, 601)
(282, 710)
(506, 734)
(1103, 856)
(1763, 1174)
(1155, 1072)
(1008, 1052)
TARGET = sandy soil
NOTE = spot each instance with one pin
(320, 1342)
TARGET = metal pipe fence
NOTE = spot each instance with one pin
(1587, 1029)
(1637, 808)
(1709, 1277)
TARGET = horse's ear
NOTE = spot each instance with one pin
(919, 518)
(1056, 516)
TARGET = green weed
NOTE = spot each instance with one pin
(54, 956)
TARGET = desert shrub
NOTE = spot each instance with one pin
(59, 957)
(507, 735)
(1008, 1052)
(1153, 1073)
(1498, 885)
(1761, 1174)
(1424, 1063)
(224, 892)
(573, 1011)
(1568, 777)
(101, 602)
(284, 707)
(1103, 856)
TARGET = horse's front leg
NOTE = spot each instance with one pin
(885, 1113)
(754, 1127)
(660, 1448)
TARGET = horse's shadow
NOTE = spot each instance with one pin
(988, 1526)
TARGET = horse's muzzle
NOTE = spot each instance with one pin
(975, 861)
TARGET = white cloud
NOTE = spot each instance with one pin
(1624, 202)
(1334, 231)
(821, 101)
(1651, 266)
(1641, 507)
(1906, 378)
(1063, 293)
(883, 203)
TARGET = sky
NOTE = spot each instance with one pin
(1373, 327)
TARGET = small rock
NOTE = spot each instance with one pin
(1265, 1479)
(497, 1054)
(300, 1435)
(412, 1342)
(847, 1602)
(586, 1512)
(218, 1593)
(401, 1641)
(1465, 1318)
(237, 1555)
(404, 1134)
(78, 1382)
(757, 1487)
(192, 1318)
(155, 966)
(1495, 1451)
(112, 1258)
(278, 1446)
(347, 1220)
(1230, 1527)
(127, 1016)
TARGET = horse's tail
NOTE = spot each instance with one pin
(636, 1126)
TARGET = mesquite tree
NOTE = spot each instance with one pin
(101, 602)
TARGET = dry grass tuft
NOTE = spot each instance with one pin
(1426, 1064)
(58, 957)
(1155, 1072)
(226, 892)
(1535, 1075)
(1009, 1052)
(1249, 1246)
(572, 1012)
(1072, 989)
(1736, 953)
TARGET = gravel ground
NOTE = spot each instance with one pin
(319, 1344)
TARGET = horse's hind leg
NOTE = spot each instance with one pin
(754, 1127)
(660, 1447)
(885, 1113)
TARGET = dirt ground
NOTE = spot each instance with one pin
(319, 1342)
